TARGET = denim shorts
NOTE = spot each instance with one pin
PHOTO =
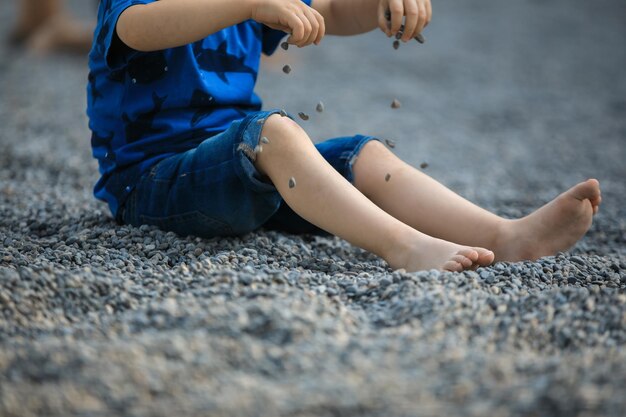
(215, 189)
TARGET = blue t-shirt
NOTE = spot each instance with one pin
(146, 106)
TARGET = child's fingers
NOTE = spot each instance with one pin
(421, 22)
(383, 23)
(322, 26)
(411, 21)
(297, 27)
(314, 23)
(396, 7)
(306, 24)
(429, 12)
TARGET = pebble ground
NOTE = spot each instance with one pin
(509, 103)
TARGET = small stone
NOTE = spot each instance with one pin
(283, 113)
(319, 107)
(390, 143)
(287, 69)
(387, 177)
(258, 149)
(419, 38)
(260, 121)
(395, 104)
(265, 140)
(284, 45)
(303, 116)
(292, 182)
(385, 282)
(396, 44)
(424, 165)
(399, 34)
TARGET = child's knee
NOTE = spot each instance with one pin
(375, 147)
(278, 127)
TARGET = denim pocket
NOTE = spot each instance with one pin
(192, 223)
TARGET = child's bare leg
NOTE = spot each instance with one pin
(326, 199)
(426, 205)
(32, 14)
(63, 32)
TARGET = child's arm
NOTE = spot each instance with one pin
(170, 23)
(351, 17)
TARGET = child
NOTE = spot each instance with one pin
(182, 142)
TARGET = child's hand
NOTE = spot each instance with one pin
(417, 12)
(304, 23)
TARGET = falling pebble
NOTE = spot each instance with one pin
(424, 165)
(258, 149)
(319, 107)
(387, 177)
(283, 113)
(399, 33)
(292, 182)
(396, 44)
(390, 143)
(260, 121)
(287, 69)
(419, 38)
(284, 45)
(265, 140)
(395, 104)
(303, 116)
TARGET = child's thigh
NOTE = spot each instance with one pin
(212, 190)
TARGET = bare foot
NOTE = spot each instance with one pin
(427, 252)
(553, 228)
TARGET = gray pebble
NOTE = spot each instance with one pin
(390, 143)
(303, 116)
(287, 69)
(292, 182)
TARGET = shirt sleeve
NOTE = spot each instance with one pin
(116, 54)
(272, 37)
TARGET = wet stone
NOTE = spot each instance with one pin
(287, 69)
(265, 140)
(395, 104)
(320, 107)
(424, 165)
(292, 182)
(390, 143)
(303, 116)
(284, 45)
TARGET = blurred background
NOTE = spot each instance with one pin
(509, 103)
